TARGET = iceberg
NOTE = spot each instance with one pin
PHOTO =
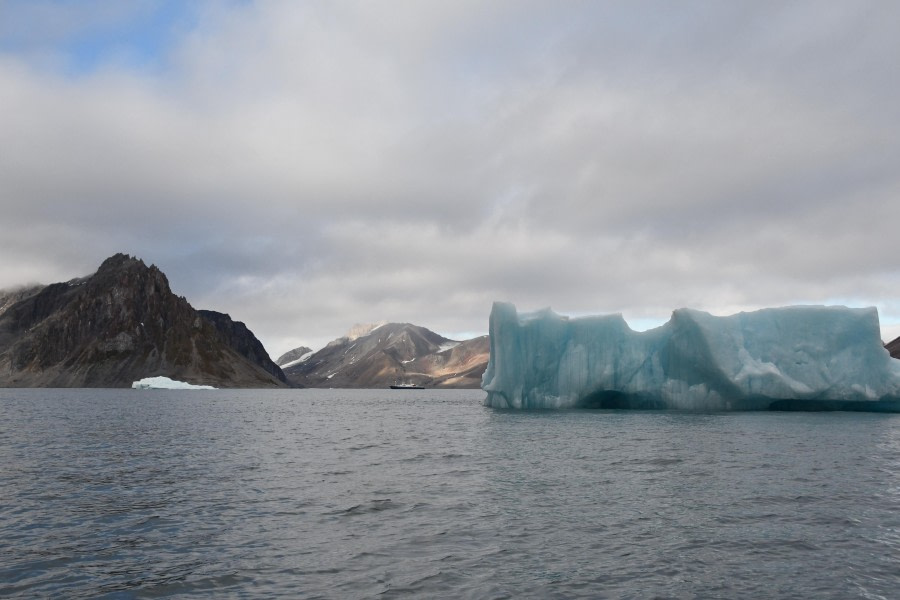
(792, 358)
(164, 383)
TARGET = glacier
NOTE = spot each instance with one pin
(790, 358)
(164, 383)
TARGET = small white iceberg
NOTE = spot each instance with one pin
(164, 383)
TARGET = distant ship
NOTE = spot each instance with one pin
(406, 386)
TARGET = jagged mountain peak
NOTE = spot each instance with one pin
(120, 260)
(122, 269)
(121, 324)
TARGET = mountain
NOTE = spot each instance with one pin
(236, 335)
(458, 367)
(10, 297)
(894, 347)
(119, 325)
(380, 355)
(292, 356)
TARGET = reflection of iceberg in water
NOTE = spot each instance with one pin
(801, 358)
(164, 383)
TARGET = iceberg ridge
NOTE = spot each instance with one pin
(791, 358)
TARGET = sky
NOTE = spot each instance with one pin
(306, 166)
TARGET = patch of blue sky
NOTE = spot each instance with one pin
(142, 43)
(81, 37)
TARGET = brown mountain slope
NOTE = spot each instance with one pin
(121, 324)
(391, 353)
(458, 367)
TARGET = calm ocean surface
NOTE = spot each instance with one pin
(427, 494)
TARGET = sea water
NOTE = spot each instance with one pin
(428, 494)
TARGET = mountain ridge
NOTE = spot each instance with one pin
(292, 356)
(392, 353)
(121, 324)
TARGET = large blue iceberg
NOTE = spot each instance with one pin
(794, 358)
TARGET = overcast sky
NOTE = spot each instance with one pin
(305, 166)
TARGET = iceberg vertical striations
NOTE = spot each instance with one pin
(801, 357)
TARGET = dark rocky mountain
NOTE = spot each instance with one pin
(392, 353)
(119, 325)
(894, 347)
(292, 356)
(241, 339)
(10, 297)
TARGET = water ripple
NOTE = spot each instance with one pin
(365, 494)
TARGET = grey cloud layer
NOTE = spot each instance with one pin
(304, 166)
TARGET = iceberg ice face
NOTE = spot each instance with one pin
(801, 357)
(164, 383)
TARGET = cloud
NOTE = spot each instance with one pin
(306, 166)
